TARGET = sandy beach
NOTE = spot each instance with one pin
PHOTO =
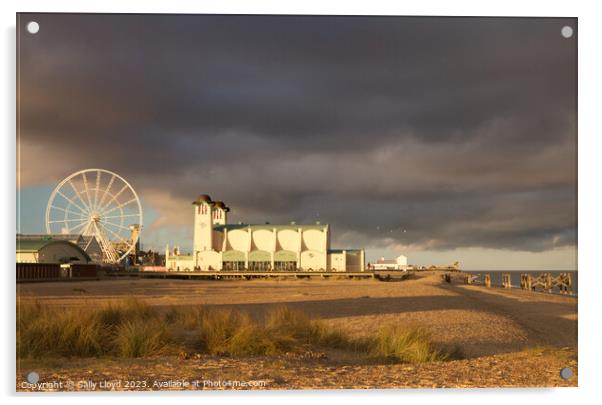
(507, 337)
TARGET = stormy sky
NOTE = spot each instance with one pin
(441, 138)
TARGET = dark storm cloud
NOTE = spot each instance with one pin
(460, 131)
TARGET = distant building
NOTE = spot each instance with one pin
(46, 249)
(218, 245)
(88, 243)
(454, 266)
(401, 263)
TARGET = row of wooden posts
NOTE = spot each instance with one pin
(547, 282)
(543, 282)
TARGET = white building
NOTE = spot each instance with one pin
(401, 263)
(218, 245)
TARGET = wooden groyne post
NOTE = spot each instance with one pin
(549, 285)
(546, 282)
(526, 281)
(480, 279)
(565, 283)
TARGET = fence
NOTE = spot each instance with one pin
(52, 271)
(38, 271)
(84, 271)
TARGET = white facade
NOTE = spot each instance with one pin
(218, 245)
(401, 263)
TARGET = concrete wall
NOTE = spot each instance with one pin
(355, 260)
(337, 261)
(179, 263)
(313, 260)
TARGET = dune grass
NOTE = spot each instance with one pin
(409, 345)
(134, 329)
(42, 331)
(139, 338)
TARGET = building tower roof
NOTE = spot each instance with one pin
(222, 205)
(202, 198)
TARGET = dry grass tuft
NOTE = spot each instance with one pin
(408, 345)
(135, 329)
(49, 332)
(139, 338)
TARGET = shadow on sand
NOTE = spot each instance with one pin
(545, 322)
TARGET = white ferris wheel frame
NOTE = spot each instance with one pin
(112, 258)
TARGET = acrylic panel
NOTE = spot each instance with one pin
(219, 202)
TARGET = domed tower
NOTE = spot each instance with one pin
(203, 224)
(220, 212)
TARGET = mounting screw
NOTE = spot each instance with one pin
(566, 373)
(33, 377)
(567, 31)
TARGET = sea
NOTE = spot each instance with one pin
(496, 277)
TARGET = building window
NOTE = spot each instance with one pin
(285, 266)
(260, 266)
(234, 266)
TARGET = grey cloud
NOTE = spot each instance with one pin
(440, 126)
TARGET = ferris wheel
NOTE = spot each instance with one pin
(98, 203)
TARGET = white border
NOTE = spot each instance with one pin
(590, 66)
